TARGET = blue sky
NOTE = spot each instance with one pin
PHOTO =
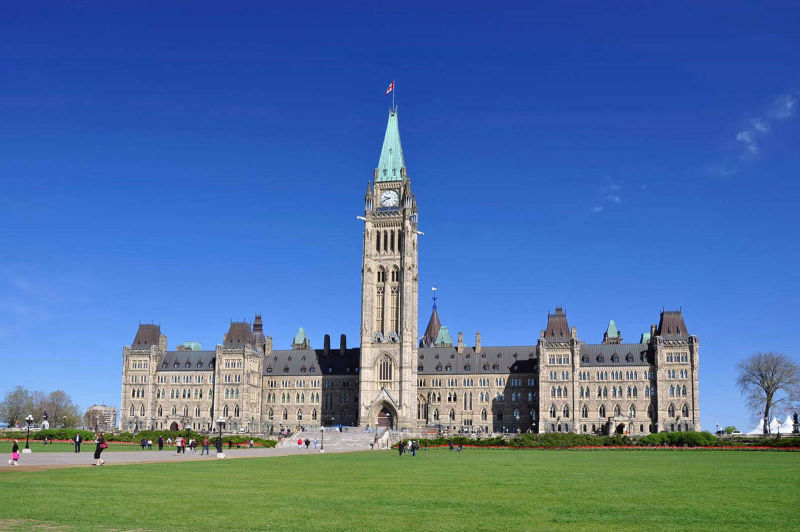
(196, 164)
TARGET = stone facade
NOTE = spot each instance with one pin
(558, 383)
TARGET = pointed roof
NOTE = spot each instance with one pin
(391, 161)
(432, 330)
(612, 330)
(671, 325)
(443, 339)
(301, 340)
(557, 326)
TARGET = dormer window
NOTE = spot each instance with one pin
(467, 367)
(615, 358)
(448, 368)
(496, 367)
(438, 367)
(164, 365)
(188, 365)
(585, 359)
(199, 363)
(419, 368)
(601, 358)
(312, 369)
(486, 367)
(176, 364)
(629, 358)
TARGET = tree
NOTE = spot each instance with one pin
(729, 429)
(767, 380)
(61, 410)
(15, 406)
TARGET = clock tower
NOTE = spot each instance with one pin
(389, 292)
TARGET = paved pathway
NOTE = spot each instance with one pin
(334, 443)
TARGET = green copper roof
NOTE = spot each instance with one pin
(645, 338)
(391, 160)
(443, 338)
(194, 346)
(612, 330)
(301, 336)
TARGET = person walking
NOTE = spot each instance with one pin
(14, 454)
(161, 443)
(400, 446)
(204, 445)
(178, 444)
(101, 444)
(299, 443)
(315, 443)
(218, 444)
(413, 448)
(307, 442)
(77, 442)
(149, 445)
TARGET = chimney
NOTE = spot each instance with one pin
(162, 343)
(342, 345)
(574, 332)
(268, 345)
(327, 346)
(460, 347)
(653, 331)
(477, 342)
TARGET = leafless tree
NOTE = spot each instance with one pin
(768, 380)
(15, 406)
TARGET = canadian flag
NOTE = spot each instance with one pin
(390, 89)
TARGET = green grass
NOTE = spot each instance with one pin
(437, 490)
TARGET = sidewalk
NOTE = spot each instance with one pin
(85, 458)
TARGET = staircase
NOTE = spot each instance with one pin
(354, 439)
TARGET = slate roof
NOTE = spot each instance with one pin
(187, 361)
(638, 354)
(500, 360)
(239, 335)
(146, 336)
(671, 326)
(309, 362)
(557, 326)
(432, 330)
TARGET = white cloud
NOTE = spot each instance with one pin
(608, 195)
(784, 107)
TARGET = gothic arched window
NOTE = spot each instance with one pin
(671, 410)
(385, 369)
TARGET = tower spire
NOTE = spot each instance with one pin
(391, 165)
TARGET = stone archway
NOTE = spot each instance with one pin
(174, 426)
(620, 429)
(385, 416)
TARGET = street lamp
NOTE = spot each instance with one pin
(389, 417)
(220, 423)
(28, 420)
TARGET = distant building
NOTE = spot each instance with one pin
(394, 378)
(101, 418)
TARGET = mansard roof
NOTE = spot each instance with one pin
(239, 335)
(557, 326)
(499, 360)
(187, 361)
(391, 162)
(310, 362)
(146, 336)
(671, 325)
(603, 355)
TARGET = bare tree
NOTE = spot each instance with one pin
(15, 406)
(768, 380)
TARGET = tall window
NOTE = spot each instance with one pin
(379, 307)
(385, 370)
(685, 411)
(584, 411)
(393, 309)
(671, 410)
(602, 411)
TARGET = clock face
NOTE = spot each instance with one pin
(390, 198)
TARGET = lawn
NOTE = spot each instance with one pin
(437, 490)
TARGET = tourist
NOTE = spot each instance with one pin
(149, 445)
(77, 441)
(178, 442)
(204, 444)
(218, 444)
(251, 443)
(143, 443)
(14, 454)
(315, 443)
(451, 446)
(193, 446)
(161, 443)
(299, 443)
(169, 442)
(400, 446)
(101, 444)
(307, 442)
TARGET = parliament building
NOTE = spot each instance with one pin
(395, 377)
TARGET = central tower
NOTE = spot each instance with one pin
(389, 292)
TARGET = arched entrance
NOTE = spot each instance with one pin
(620, 429)
(386, 420)
(174, 426)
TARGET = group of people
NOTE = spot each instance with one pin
(307, 442)
(409, 446)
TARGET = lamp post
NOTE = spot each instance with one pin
(220, 423)
(28, 420)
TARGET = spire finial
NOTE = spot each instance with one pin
(434, 289)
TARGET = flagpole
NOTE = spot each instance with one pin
(394, 88)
